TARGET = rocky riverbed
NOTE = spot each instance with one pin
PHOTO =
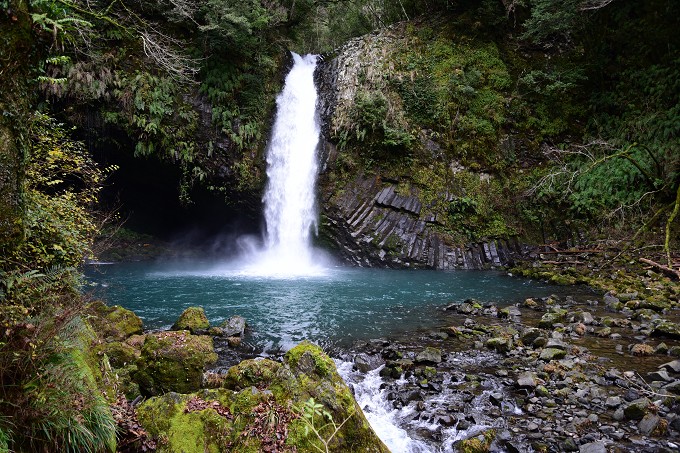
(551, 374)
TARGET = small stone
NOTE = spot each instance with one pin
(610, 300)
(234, 341)
(552, 354)
(665, 328)
(673, 366)
(673, 387)
(637, 409)
(465, 308)
(496, 398)
(579, 329)
(593, 447)
(619, 415)
(530, 303)
(234, 326)
(585, 318)
(527, 380)
(604, 332)
(509, 312)
(569, 444)
(649, 423)
(661, 348)
(660, 375)
(674, 351)
(557, 344)
(548, 320)
(365, 363)
(642, 349)
(613, 401)
(529, 334)
(499, 344)
(542, 391)
(439, 335)
(539, 342)
(429, 355)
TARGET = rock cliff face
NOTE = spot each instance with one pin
(376, 214)
(373, 225)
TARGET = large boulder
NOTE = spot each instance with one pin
(265, 406)
(173, 362)
(114, 323)
(234, 326)
(192, 319)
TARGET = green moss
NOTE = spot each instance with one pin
(479, 444)
(119, 354)
(251, 373)
(281, 390)
(114, 323)
(307, 357)
(192, 319)
(173, 361)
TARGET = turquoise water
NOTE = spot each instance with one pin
(334, 308)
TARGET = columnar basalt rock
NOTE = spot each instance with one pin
(373, 225)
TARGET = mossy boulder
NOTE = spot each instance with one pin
(262, 408)
(114, 323)
(479, 444)
(665, 328)
(192, 319)
(553, 316)
(500, 344)
(119, 353)
(429, 355)
(173, 362)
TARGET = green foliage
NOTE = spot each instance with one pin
(552, 23)
(153, 111)
(62, 186)
(377, 127)
(457, 88)
(239, 24)
(240, 99)
(51, 400)
(319, 421)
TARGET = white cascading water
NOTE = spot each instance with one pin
(290, 208)
(289, 199)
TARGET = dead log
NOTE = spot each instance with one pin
(663, 269)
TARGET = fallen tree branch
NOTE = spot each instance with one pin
(664, 269)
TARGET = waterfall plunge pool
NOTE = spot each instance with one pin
(334, 308)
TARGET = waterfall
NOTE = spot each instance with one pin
(289, 201)
(290, 209)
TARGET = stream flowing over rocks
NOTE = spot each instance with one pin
(550, 375)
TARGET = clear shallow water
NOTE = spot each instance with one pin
(334, 307)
